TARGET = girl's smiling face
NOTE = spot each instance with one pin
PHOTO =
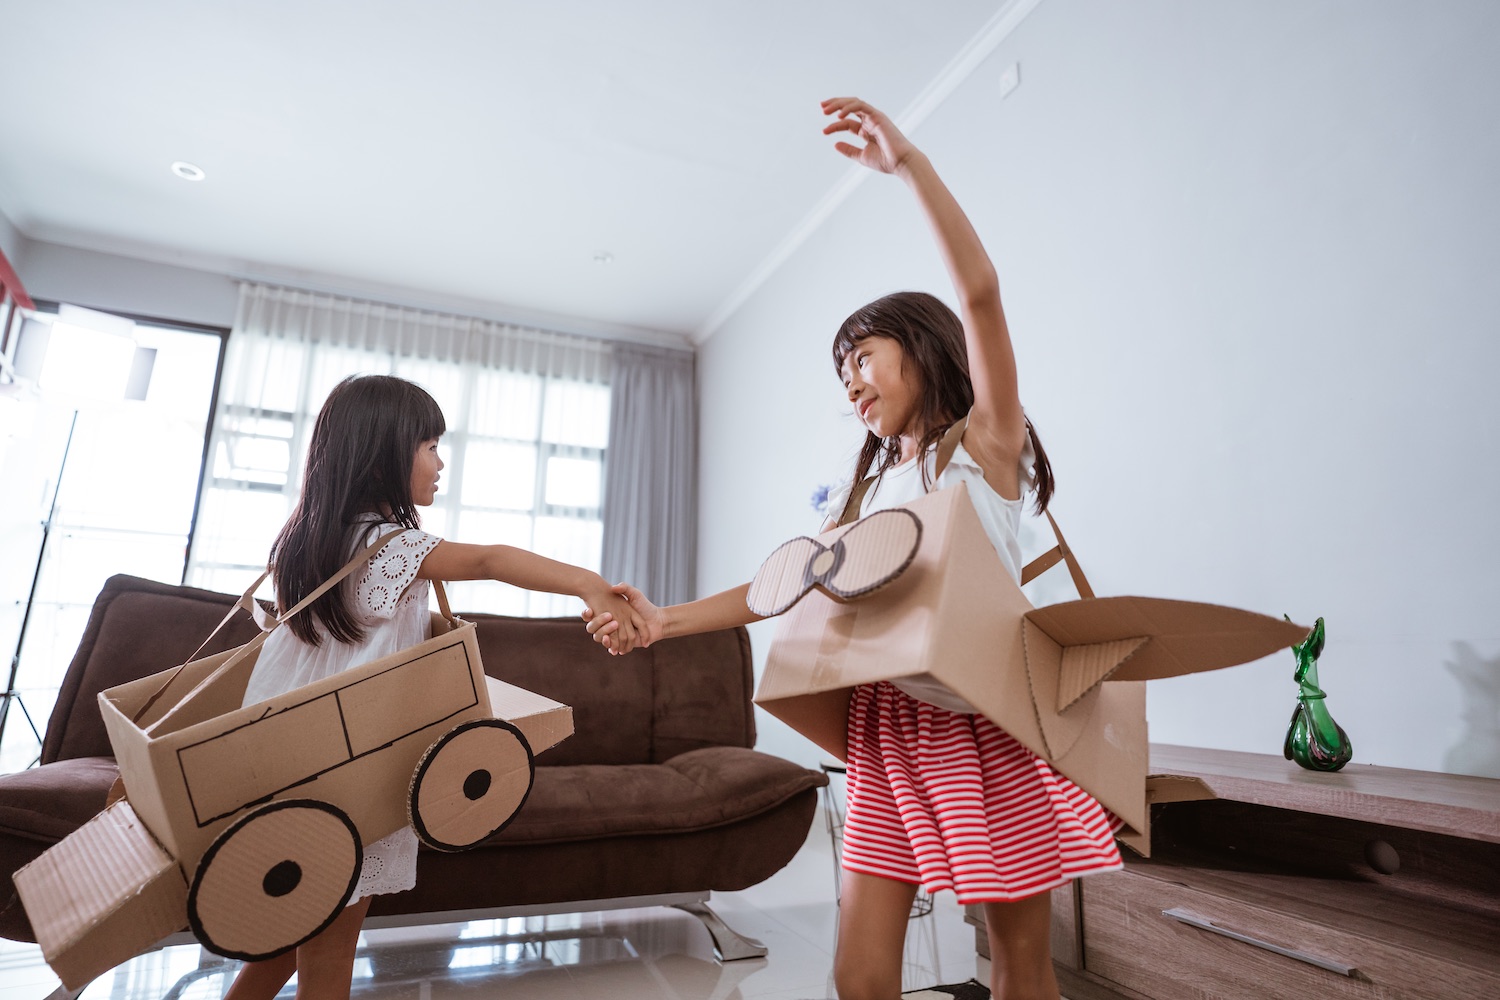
(425, 467)
(880, 387)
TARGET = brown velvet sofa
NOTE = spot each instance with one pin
(657, 794)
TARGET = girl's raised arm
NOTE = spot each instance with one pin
(996, 433)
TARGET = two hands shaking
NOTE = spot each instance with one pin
(644, 622)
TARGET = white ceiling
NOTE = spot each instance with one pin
(458, 149)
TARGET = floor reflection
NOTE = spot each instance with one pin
(652, 952)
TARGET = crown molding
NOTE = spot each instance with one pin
(958, 69)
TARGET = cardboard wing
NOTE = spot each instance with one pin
(248, 823)
(1063, 680)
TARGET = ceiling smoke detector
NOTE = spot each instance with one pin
(188, 171)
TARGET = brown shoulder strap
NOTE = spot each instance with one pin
(946, 446)
(1058, 553)
(361, 557)
(856, 499)
(945, 449)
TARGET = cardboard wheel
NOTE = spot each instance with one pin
(274, 878)
(470, 784)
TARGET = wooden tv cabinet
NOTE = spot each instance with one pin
(1369, 882)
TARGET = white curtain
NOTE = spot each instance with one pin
(651, 499)
(528, 415)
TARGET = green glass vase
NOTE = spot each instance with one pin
(1313, 739)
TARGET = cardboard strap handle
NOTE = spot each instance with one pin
(247, 600)
(945, 449)
(1058, 553)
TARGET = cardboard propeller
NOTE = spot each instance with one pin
(1063, 680)
(871, 555)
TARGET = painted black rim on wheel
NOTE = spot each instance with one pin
(279, 880)
(475, 785)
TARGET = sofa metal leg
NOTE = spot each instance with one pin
(729, 943)
(63, 993)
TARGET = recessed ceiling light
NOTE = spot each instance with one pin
(604, 257)
(188, 171)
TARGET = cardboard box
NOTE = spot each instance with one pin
(1064, 680)
(263, 811)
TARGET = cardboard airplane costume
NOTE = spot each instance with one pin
(918, 592)
(247, 824)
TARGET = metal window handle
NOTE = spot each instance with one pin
(1202, 923)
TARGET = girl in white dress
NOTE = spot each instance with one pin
(372, 462)
(939, 796)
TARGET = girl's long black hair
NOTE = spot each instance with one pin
(359, 462)
(932, 338)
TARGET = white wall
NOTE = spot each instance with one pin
(126, 284)
(162, 290)
(11, 240)
(1248, 252)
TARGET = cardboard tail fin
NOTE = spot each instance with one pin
(1086, 665)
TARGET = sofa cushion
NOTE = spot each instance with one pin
(692, 791)
(611, 696)
(48, 802)
(642, 708)
(137, 628)
(698, 707)
(719, 859)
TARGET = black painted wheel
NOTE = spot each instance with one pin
(274, 878)
(470, 784)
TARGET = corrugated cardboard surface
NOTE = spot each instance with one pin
(1063, 680)
(544, 722)
(352, 740)
(944, 617)
(472, 785)
(101, 896)
(246, 904)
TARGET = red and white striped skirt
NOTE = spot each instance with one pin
(952, 801)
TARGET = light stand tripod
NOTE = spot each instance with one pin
(10, 693)
(88, 357)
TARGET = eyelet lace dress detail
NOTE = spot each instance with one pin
(390, 865)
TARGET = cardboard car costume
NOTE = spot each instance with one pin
(885, 602)
(247, 824)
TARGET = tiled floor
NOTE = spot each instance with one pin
(621, 955)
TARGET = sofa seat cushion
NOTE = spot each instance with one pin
(692, 791)
(49, 802)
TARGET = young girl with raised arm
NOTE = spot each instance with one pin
(937, 794)
(372, 462)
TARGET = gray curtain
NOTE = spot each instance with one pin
(651, 481)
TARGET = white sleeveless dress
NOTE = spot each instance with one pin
(939, 795)
(394, 615)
